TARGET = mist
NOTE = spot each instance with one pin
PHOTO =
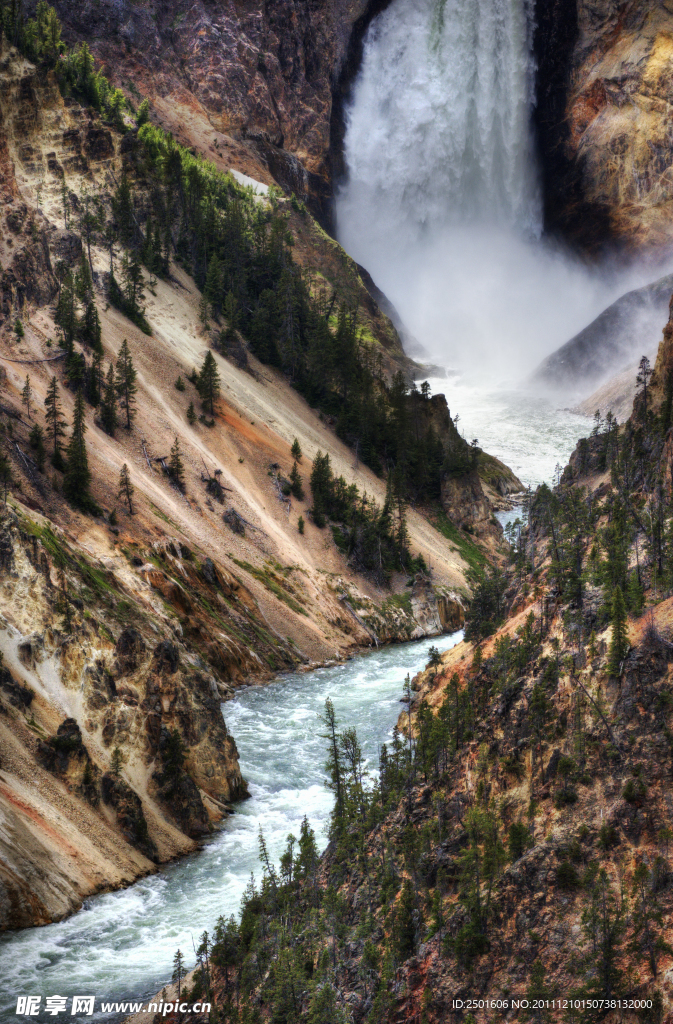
(442, 203)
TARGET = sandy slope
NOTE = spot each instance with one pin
(257, 418)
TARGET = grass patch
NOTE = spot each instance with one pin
(402, 601)
(468, 550)
(267, 580)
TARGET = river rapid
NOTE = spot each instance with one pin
(120, 946)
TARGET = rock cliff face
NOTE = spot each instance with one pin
(604, 98)
(263, 80)
(89, 797)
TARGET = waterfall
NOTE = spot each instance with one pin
(442, 201)
(439, 131)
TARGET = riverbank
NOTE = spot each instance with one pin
(121, 945)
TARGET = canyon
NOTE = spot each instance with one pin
(529, 749)
(134, 630)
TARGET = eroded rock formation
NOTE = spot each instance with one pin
(605, 89)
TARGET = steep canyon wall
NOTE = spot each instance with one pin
(604, 120)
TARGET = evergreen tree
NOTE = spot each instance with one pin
(116, 762)
(619, 643)
(66, 311)
(18, 329)
(83, 280)
(179, 971)
(126, 489)
(334, 764)
(296, 483)
(191, 414)
(405, 931)
(143, 113)
(95, 380)
(538, 995)
(634, 594)
(109, 403)
(175, 466)
(648, 920)
(125, 382)
(295, 450)
(36, 441)
(204, 312)
(209, 382)
(643, 382)
(90, 328)
(5, 473)
(27, 395)
(55, 423)
(603, 925)
(77, 478)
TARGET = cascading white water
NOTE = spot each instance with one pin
(442, 201)
(439, 131)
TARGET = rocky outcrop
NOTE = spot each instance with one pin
(465, 503)
(435, 613)
(129, 811)
(96, 779)
(603, 118)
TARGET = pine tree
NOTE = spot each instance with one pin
(116, 762)
(18, 329)
(27, 395)
(126, 489)
(296, 483)
(36, 441)
(66, 311)
(95, 380)
(209, 382)
(643, 381)
(204, 312)
(191, 414)
(132, 279)
(55, 423)
(648, 941)
(143, 113)
(90, 328)
(77, 476)
(634, 594)
(212, 289)
(334, 765)
(405, 931)
(538, 995)
(83, 280)
(125, 382)
(295, 450)
(5, 473)
(619, 644)
(109, 403)
(301, 525)
(175, 466)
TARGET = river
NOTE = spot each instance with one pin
(120, 945)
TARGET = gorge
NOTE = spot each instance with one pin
(330, 203)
